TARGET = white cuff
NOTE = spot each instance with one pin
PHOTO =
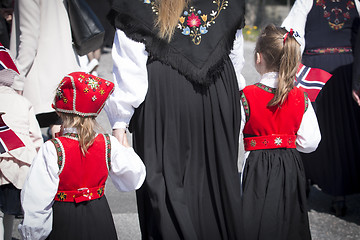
(19, 82)
(118, 125)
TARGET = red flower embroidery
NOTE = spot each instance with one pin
(193, 20)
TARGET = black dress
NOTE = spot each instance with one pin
(84, 220)
(186, 130)
(335, 165)
(274, 202)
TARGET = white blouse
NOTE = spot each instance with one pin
(308, 136)
(296, 19)
(131, 78)
(37, 196)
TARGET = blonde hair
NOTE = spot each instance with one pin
(85, 127)
(169, 12)
(280, 56)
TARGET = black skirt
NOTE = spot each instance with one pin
(90, 220)
(274, 199)
(335, 165)
(187, 136)
(10, 199)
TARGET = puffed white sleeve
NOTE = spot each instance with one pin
(296, 19)
(37, 195)
(127, 170)
(130, 79)
(308, 136)
(237, 58)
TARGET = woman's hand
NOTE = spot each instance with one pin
(120, 134)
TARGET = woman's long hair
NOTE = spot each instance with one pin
(85, 127)
(281, 55)
(168, 16)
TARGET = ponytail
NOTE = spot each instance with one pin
(282, 54)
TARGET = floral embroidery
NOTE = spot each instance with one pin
(245, 105)
(102, 92)
(86, 90)
(253, 143)
(59, 152)
(336, 17)
(306, 101)
(73, 136)
(94, 84)
(278, 141)
(266, 88)
(100, 191)
(108, 150)
(59, 91)
(194, 23)
(62, 196)
(94, 98)
(290, 141)
(265, 142)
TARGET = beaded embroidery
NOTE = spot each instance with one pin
(306, 101)
(278, 141)
(61, 196)
(245, 105)
(194, 23)
(60, 154)
(100, 191)
(266, 88)
(330, 50)
(108, 150)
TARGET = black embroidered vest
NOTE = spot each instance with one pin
(330, 24)
(201, 42)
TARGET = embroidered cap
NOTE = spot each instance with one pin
(82, 94)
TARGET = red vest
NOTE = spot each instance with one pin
(271, 127)
(82, 178)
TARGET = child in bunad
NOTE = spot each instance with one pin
(18, 115)
(63, 197)
(278, 121)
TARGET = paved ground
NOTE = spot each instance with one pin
(324, 226)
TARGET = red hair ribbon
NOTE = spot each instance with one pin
(291, 32)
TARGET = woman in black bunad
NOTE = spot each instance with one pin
(328, 27)
(177, 84)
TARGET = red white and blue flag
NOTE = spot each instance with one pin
(8, 139)
(6, 61)
(311, 80)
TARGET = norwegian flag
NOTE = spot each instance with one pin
(8, 139)
(311, 80)
(6, 61)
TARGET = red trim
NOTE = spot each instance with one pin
(270, 142)
(80, 195)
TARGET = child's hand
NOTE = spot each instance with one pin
(120, 134)
(20, 92)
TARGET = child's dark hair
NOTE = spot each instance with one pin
(282, 54)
